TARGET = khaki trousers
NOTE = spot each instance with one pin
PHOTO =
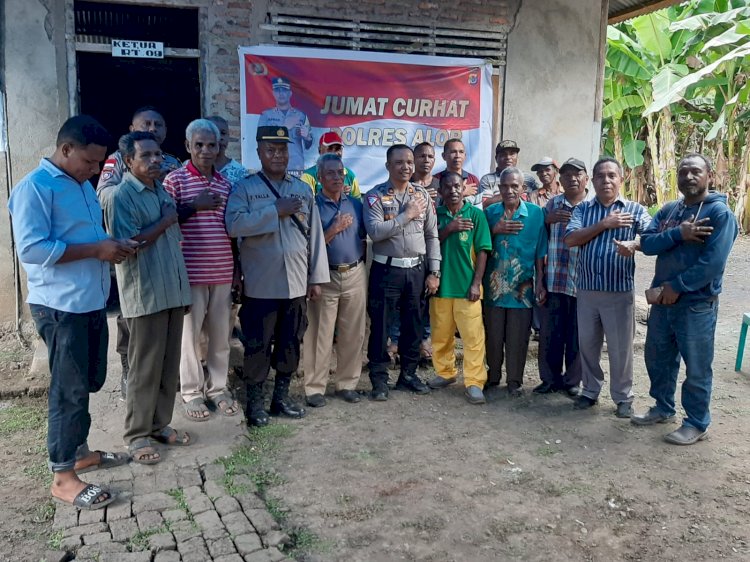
(211, 310)
(341, 308)
(154, 356)
(445, 316)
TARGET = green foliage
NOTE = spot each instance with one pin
(18, 418)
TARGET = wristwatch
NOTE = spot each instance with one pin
(435, 274)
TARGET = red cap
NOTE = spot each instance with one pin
(330, 138)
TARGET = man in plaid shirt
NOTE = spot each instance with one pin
(559, 329)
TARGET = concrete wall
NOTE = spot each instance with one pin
(552, 101)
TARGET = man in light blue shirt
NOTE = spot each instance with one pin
(57, 225)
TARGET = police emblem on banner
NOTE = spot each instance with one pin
(473, 77)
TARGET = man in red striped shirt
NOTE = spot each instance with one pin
(207, 249)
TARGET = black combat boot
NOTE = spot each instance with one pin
(412, 383)
(124, 379)
(281, 404)
(256, 415)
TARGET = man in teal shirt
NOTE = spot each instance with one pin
(514, 279)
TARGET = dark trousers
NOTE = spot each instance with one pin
(394, 289)
(284, 321)
(559, 342)
(123, 335)
(154, 377)
(77, 354)
(507, 332)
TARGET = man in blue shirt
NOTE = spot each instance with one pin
(342, 306)
(691, 238)
(57, 225)
(605, 228)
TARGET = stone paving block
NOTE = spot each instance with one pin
(247, 543)
(229, 558)
(65, 517)
(214, 489)
(262, 521)
(121, 509)
(198, 503)
(250, 501)
(185, 530)
(191, 491)
(226, 505)
(276, 538)
(174, 515)
(214, 471)
(90, 529)
(149, 520)
(237, 524)
(211, 525)
(161, 541)
(145, 484)
(166, 481)
(123, 529)
(193, 550)
(144, 556)
(97, 538)
(221, 547)
(122, 486)
(268, 555)
(117, 473)
(189, 476)
(167, 556)
(105, 551)
(88, 517)
(71, 542)
(139, 470)
(56, 556)
(156, 501)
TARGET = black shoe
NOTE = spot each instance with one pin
(515, 390)
(281, 404)
(351, 396)
(651, 417)
(583, 403)
(490, 384)
(379, 392)
(411, 383)
(256, 414)
(316, 400)
(572, 391)
(545, 388)
(124, 379)
(624, 410)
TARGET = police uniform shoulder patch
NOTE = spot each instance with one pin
(372, 199)
(106, 175)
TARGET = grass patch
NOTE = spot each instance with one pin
(139, 541)
(44, 512)
(303, 541)
(19, 418)
(39, 471)
(179, 495)
(55, 539)
(547, 451)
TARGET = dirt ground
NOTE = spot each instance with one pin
(432, 478)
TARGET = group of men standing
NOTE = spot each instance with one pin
(479, 254)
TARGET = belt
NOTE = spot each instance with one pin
(343, 267)
(397, 262)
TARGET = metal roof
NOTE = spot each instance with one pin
(621, 10)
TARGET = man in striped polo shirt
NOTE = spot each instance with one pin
(605, 229)
(210, 265)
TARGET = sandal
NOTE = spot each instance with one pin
(196, 406)
(170, 436)
(106, 460)
(226, 404)
(425, 350)
(88, 498)
(141, 449)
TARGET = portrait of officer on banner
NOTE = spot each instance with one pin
(297, 123)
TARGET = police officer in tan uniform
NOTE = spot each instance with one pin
(400, 219)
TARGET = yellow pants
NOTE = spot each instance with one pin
(445, 316)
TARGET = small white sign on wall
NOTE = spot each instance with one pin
(137, 49)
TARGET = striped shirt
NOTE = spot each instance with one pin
(206, 244)
(561, 260)
(600, 267)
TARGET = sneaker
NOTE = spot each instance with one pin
(437, 382)
(583, 402)
(686, 435)
(651, 417)
(474, 395)
(624, 410)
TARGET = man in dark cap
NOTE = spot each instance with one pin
(295, 121)
(506, 156)
(284, 262)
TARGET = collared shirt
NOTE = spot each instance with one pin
(541, 195)
(51, 210)
(509, 279)
(600, 267)
(154, 278)
(460, 249)
(114, 169)
(562, 262)
(469, 180)
(351, 183)
(278, 260)
(489, 185)
(234, 171)
(292, 119)
(346, 247)
(395, 236)
(205, 244)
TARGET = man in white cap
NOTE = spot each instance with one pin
(547, 171)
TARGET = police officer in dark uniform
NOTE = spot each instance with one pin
(400, 219)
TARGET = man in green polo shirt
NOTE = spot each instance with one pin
(464, 244)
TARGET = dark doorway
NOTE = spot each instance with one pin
(111, 88)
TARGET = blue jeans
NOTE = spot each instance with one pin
(77, 353)
(682, 330)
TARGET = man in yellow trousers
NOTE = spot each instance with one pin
(464, 244)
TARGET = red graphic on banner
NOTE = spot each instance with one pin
(340, 93)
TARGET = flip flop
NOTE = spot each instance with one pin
(165, 435)
(229, 402)
(106, 460)
(141, 447)
(196, 405)
(86, 498)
